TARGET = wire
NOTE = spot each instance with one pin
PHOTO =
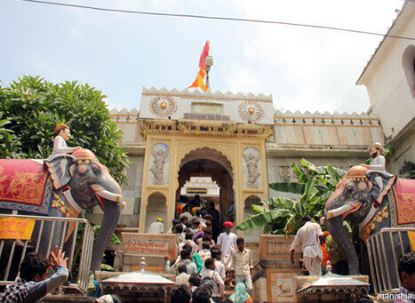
(334, 28)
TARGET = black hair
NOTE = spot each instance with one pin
(206, 237)
(183, 218)
(182, 268)
(189, 235)
(33, 264)
(205, 245)
(240, 240)
(209, 262)
(178, 229)
(185, 253)
(180, 294)
(201, 295)
(174, 222)
(187, 246)
(194, 279)
(407, 263)
(305, 218)
(216, 253)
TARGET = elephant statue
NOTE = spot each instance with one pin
(362, 200)
(62, 186)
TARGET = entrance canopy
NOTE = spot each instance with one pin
(205, 187)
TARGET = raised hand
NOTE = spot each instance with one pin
(57, 257)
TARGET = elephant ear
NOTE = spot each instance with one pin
(58, 167)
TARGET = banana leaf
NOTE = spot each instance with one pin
(301, 176)
(258, 208)
(261, 219)
(288, 187)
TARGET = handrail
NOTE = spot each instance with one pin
(385, 248)
(48, 233)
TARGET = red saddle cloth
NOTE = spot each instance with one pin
(404, 191)
(22, 181)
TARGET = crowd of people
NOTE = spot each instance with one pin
(205, 267)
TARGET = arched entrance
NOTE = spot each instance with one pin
(209, 168)
(236, 164)
(207, 162)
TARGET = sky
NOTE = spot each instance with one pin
(304, 69)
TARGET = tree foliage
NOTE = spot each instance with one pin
(30, 107)
(280, 215)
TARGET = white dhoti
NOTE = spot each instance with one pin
(313, 265)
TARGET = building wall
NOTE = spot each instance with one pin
(392, 98)
(390, 80)
(338, 139)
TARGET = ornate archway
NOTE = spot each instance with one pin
(171, 146)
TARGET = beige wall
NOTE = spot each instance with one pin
(391, 97)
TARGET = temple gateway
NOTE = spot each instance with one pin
(238, 140)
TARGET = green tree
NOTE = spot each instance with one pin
(283, 215)
(30, 107)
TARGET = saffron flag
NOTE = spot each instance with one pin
(200, 78)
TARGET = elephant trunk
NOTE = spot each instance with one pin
(112, 212)
(338, 232)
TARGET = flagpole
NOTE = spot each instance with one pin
(208, 64)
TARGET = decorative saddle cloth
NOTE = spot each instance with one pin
(404, 192)
(22, 181)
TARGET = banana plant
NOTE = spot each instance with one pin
(283, 215)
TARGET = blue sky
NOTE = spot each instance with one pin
(119, 54)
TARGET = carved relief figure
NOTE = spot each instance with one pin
(251, 157)
(284, 288)
(160, 152)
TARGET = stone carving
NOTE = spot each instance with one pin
(285, 173)
(250, 111)
(163, 106)
(160, 154)
(284, 287)
(252, 163)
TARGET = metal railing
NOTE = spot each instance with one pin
(385, 248)
(49, 232)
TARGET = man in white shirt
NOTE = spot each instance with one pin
(218, 285)
(63, 134)
(220, 268)
(183, 276)
(157, 227)
(307, 240)
(227, 244)
(242, 263)
(377, 162)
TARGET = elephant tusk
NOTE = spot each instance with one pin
(100, 191)
(343, 210)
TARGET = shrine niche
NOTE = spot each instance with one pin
(156, 207)
(159, 163)
(251, 168)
